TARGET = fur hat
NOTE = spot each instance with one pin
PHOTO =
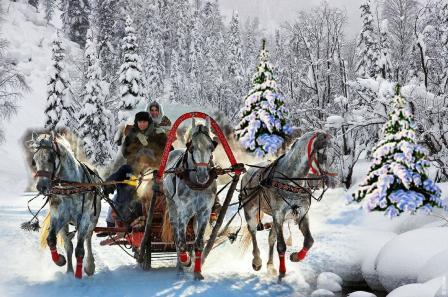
(142, 116)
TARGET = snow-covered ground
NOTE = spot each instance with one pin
(407, 256)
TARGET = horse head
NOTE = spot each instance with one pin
(316, 150)
(44, 160)
(200, 147)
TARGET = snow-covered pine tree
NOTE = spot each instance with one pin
(34, 3)
(58, 110)
(384, 63)
(110, 32)
(367, 47)
(75, 18)
(263, 124)
(397, 180)
(132, 86)
(49, 9)
(235, 51)
(235, 67)
(94, 128)
(176, 78)
(152, 48)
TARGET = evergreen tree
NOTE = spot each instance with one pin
(367, 47)
(34, 3)
(58, 110)
(397, 180)
(263, 125)
(75, 18)
(110, 32)
(235, 52)
(132, 86)
(49, 9)
(94, 126)
(385, 63)
(152, 48)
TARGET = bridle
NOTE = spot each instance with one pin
(313, 163)
(190, 149)
(54, 148)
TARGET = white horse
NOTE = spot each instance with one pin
(191, 193)
(282, 190)
(55, 163)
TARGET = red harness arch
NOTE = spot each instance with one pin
(172, 135)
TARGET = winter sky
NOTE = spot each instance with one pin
(272, 13)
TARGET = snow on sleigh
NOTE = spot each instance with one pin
(150, 236)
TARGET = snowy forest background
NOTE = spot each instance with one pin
(184, 51)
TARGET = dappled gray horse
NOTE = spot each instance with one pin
(54, 162)
(191, 193)
(280, 190)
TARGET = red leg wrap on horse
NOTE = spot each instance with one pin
(184, 257)
(282, 268)
(54, 255)
(197, 261)
(301, 255)
(78, 273)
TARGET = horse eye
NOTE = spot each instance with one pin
(33, 163)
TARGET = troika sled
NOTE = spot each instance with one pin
(146, 240)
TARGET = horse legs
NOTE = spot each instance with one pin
(181, 243)
(68, 245)
(79, 250)
(202, 221)
(281, 245)
(251, 219)
(307, 241)
(90, 266)
(272, 240)
(55, 226)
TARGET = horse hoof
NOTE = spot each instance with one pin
(281, 275)
(89, 272)
(198, 276)
(297, 257)
(62, 261)
(272, 270)
(256, 267)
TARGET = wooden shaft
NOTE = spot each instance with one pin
(220, 220)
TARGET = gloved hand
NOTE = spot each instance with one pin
(109, 189)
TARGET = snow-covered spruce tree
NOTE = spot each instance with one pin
(58, 110)
(263, 124)
(94, 129)
(110, 32)
(384, 62)
(367, 47)
(131, 79)
(75, 18)
(397, 180)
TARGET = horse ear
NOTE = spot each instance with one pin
(193, 122)
(215, 141)
(208, 124)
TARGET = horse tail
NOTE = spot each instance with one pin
(44, 230)
(167, 229)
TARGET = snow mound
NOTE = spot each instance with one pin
(435, 287)
(434, 267)
(329, 281)
(373, 242)
(361, 294)
(402, 258)
(322, 293)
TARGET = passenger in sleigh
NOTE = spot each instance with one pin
(140, 155)
(162, 123)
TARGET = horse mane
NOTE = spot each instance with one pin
(191, 130)
(63, 143)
